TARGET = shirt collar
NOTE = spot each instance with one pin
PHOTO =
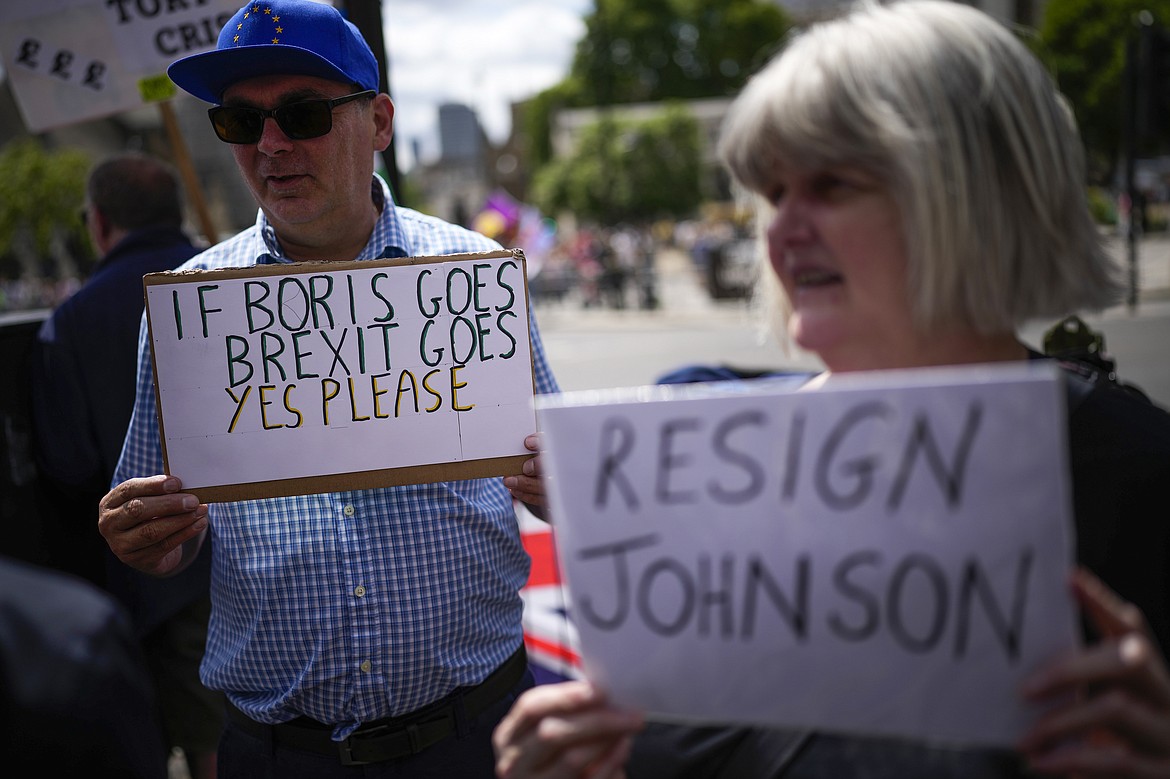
(387, 239)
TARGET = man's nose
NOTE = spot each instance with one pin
(272, 138)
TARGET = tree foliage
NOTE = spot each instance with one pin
(654, 50)
(1084, 43)
(41, 193)
(646, 50)
(627, 171)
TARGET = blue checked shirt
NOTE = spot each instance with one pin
(352, 606)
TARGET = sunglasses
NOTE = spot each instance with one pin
(300, 121)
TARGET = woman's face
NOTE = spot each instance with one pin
(836, 243)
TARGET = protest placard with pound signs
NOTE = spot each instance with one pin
(886, 554)
(291, 379)
(73, 60)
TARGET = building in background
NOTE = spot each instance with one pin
(569, 123)
(708, 113)
(461, 139)
(456, 186)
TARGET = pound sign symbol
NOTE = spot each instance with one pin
(93, 76)
(28, 52)
(61, 64)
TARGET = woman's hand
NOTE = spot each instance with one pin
(564, 731)
(1116, 721)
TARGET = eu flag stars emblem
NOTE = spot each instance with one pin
(257, 12)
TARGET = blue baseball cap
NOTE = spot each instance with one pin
(279, 37)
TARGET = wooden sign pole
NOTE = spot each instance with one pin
(187, 171)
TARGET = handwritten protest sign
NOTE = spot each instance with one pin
(886, 554)
(73, 60)
(290, 379)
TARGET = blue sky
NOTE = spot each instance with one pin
(483, 53)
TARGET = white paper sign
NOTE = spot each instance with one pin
(73, 60)
(278, 373)
(885, 555)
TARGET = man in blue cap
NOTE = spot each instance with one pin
(369, 632)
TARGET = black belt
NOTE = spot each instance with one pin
(393, 737)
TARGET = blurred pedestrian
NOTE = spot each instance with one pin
(75, 698)
(83, 394)
(647, 269)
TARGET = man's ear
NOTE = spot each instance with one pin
(383, 121)
(99, 230)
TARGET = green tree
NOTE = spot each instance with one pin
(41, 193)
(1084, 42)
(647, 50)
(627, 171)
(653, 50)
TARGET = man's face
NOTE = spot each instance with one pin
(315, 192)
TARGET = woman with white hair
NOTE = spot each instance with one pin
(924, 197)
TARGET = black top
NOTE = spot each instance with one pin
(1119, 455)
(83, 381)
(85, 369)
(74, 696)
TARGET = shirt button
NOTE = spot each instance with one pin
(359, 590)
(366, 666)
(348, 511)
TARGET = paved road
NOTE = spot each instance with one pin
(593, 349)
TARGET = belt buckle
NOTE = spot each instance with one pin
(345, 748)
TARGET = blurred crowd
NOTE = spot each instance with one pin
(601, 268)
(27, 293)
(593, 267)
(616, 267)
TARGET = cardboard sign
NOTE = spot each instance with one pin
(887, 554)
(74, 60)
(292, 379)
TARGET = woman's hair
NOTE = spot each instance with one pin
(967, 130)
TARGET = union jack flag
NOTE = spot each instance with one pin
(549, 636)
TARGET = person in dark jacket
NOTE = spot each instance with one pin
(83, 393)
(75, 697)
